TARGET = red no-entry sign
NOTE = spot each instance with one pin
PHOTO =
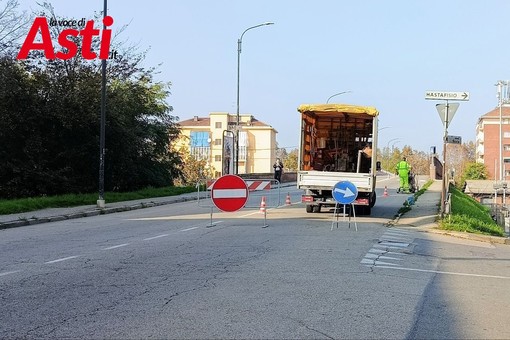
(229, 193)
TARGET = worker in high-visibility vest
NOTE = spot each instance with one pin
(403, 168)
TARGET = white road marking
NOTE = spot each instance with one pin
(447, 273)
(8, 273)
(62, 259)
(188, 229)
(380, 251)
(155, 237)
(374, 256)
(395, 244)
(117, 246)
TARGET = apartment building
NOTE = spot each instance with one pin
(213, 138)
(489, 139)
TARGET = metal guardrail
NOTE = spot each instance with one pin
(501, 215)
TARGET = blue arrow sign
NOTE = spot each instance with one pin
(345, 192)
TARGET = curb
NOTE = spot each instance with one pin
(471, 236)
(434, 228)
(94, 212)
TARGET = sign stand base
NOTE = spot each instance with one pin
(336, 215)
(265, 219)
(210, 224)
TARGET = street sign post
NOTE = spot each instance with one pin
(446, 112)
(442, 95)
(345, 192)
(229, 193)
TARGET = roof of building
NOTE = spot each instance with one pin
(505, 110)
(478, 186)
(206, 122)
(196, 121)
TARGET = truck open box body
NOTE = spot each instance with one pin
(338, 143)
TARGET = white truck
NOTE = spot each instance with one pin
(338, 143)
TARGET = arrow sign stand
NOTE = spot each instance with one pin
(344, 192)
(350, 210)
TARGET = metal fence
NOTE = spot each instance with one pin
(501, 215)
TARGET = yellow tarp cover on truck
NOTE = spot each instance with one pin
(338, 108)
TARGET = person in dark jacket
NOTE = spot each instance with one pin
(278, 169)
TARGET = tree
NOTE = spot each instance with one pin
(459, 156)
(474, 171)
(290, 163)
(49, 126)
(281, 152)
(194, 170)
(12, 25)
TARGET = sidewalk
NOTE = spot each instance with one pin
(60, 214)
(424, 215)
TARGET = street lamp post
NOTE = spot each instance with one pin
(336, 94)
(101, 201)
(501, 167)
(239, 43)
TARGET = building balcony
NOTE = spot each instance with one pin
(201, 152)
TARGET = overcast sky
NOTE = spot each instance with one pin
(387, 53)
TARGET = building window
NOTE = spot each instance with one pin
(506, 134)
(199, 144)
(506, 147)
(217, 158)
(243, 145)
(217, 125)
(217, 141)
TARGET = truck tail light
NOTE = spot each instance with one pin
(306, 198)
(362, 201)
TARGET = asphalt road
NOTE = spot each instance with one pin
(168, 272)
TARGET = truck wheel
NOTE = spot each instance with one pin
(363, 210)
(316, 208)
(309, 208)
(373, 198)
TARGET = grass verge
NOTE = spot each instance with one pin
(468, 215)
(407, 204)
(72, 200)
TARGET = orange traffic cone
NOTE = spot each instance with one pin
(385, 192)
(263, 205)
(287, 200)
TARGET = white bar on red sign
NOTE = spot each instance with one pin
(229, 193)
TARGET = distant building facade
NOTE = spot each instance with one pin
(488, 142)
(212, 138)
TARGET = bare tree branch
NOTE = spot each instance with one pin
(13, 24)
